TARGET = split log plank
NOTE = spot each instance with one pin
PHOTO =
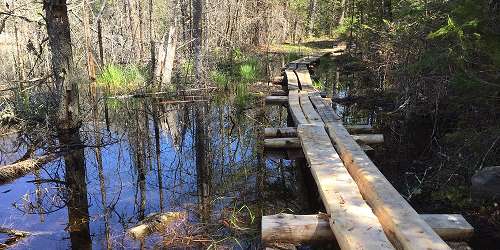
(295, 109)
(310, 113)
(400, 221)
(352, 220)
(304, 78)
(298, 229)
(324, 109)
(291, 79)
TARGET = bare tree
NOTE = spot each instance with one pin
(58, 30)
(312, 16)
(198, 37)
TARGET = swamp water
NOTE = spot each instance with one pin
(204, 159)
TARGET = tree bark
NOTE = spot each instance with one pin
(58, 30)
(312, 16)
(198, 37)
(343, 11)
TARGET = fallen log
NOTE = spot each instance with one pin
(282, 143)
(21, 168)
(14, 237)
(298, 229)
(156, 222)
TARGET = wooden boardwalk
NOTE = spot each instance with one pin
(364, 211)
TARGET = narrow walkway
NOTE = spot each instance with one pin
(365, 211)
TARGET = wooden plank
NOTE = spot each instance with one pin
(305, 81)
(276, 100)
(449, 226)
(280, 132)
(400, 221)
(295, 109)
(282, 143)
(325, 111)
(292, 81)
(299, 229)
(352, 220)
(310, 113)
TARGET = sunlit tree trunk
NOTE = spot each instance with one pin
(343, 7)
(198, 37)
(58, 29)
(312, 16)
(151, 41)
(88, 43)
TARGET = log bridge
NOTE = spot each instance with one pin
(363, 209)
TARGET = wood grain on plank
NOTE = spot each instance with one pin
(400, 221)
(292, 81)
(352, 220)
(295, 109)
(310, 113)
(325, 111)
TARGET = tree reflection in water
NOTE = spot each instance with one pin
(202, 158)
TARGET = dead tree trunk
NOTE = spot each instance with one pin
(198, 37)
(56, 14)
(312, 16)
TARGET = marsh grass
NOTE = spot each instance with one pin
(121, 79)
(235, 72)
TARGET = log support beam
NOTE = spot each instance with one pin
(287, 138)
(276, 100)
(298, 229)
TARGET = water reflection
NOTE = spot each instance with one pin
(76, 190)
(202, 158)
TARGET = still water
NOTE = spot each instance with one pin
(203, 158)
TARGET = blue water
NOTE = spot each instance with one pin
(234, 192)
